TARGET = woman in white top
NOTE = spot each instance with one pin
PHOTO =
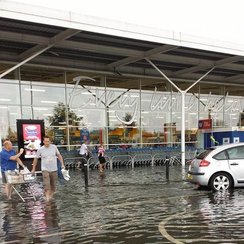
(83, 150)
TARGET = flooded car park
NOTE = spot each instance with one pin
(126, 206)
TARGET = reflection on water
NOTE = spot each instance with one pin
(8, 219)
(30, 222)
(212, 217)
(125, 206)
(45, 222)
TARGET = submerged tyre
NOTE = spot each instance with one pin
(220, 182)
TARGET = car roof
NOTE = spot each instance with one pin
(223, 147)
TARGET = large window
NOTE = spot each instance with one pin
(9, 108)
(115, 110)
(123, 111)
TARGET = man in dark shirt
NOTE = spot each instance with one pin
(9, 161)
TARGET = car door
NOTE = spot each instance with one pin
(236, 163)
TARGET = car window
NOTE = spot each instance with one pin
(220, 156)
(236, 152)
(204, 154)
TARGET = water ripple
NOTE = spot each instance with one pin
(126, 206)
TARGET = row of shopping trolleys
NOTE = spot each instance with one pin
(118, 161)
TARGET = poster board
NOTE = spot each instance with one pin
(30, 136)
(205, 124)
(84, 135)
(236, 139)
(226, 140)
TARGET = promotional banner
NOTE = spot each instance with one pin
(30, 136)
(84, 135)
(32, 139)
(205, 124)
(59, 136)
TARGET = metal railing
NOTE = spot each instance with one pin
(142, 160)
(132, 157)
(117, 161)
(121, 161)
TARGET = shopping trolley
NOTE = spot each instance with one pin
(16, 180)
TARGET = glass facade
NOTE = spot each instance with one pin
(117, 111)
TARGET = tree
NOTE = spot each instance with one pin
(59, 116)
(12, 135)
(59, 119)
(129, 129)
(241, 119)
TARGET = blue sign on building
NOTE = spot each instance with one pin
(84, 135)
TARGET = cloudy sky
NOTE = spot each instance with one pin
(216, 19)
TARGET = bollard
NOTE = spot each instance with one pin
(111, 163)
(167, 167)
(86, 174)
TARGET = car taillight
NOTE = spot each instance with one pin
(204, 163)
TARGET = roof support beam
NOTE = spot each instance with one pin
(203, 67)
(37, 50)
(52, 41)
(68, 44)
(142, 55)
(183, 94)
(196, 63)
(234, 77)
(191, 69)
(23, 62)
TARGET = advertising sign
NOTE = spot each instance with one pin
(236, 139)
(30, 136)
(226, 140)
(59, 136)
(31, 131)
(84, 135)
(32, 139)
(205, 124)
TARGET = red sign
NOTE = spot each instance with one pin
(31, 131)
(205, 124)
(32, 139)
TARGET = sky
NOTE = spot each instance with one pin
(215, 19)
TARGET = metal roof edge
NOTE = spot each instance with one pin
(67, 19)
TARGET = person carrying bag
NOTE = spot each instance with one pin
(101, 158)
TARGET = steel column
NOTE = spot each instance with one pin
(183, 93)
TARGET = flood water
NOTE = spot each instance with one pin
(125, 206)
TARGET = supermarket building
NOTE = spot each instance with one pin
(120, 83)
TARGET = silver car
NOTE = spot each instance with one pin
(219, 168)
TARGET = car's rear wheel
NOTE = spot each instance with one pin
(221, 181)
